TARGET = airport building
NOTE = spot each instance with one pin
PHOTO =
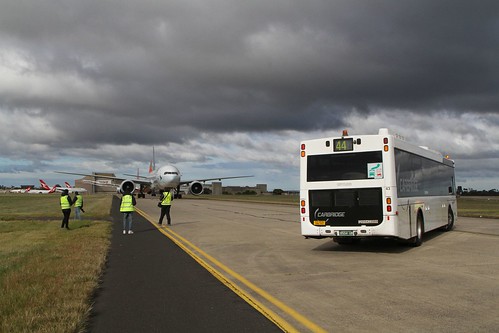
(218, 189)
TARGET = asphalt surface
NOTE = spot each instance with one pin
(151, 285)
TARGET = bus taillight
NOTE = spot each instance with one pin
(388, 204)
(302, 204)
(385, 142)
(302, 150)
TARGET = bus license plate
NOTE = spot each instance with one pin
(345, 233)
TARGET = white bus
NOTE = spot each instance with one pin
(353, 187)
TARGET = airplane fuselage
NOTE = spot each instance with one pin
(166, 177)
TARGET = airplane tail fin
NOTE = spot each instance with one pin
(67, 185)
(28, 189)
(44, 185)
(52, 190)
(153, 160)
(150, 167)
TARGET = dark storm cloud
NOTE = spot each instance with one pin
(148, 71)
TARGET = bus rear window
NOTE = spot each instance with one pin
(348, 166)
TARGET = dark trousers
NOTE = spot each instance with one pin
(165, 210)
(65, 219)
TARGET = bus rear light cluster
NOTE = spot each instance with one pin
(302, 204)
(388, 204)
(302, 150)
(385, 142)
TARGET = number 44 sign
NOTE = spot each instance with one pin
(375, 170)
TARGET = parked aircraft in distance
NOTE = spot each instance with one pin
(43, 191)
(72, 189)
(20, 190)
(165, 177)
(60, 189)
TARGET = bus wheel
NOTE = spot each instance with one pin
(418, 239)
(450, 221)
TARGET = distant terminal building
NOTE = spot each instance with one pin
(95, 184)
(258, 189)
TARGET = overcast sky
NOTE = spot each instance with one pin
(224, 88)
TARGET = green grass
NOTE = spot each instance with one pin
(48, 274)
(487, 207)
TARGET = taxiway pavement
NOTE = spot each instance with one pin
(449, 284)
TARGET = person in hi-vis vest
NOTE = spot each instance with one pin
(78, 202)
(66, 203)
(127, 208)
(166, 204)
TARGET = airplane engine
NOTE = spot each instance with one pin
(127, 186)
(196, 188)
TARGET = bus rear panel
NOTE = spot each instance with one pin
(354, 186)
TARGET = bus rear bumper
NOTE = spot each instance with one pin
(385, 229)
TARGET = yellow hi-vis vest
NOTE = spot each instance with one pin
(65, 202)
(79, 201)
(167, 199)
(126, 204)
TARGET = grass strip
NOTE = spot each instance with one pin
(47, 274)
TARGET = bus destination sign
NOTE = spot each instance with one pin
(343, 144)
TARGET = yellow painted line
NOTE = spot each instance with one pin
(278, 320)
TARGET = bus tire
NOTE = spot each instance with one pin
(418, 239)
(450, 221)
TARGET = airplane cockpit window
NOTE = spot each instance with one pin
(170, 173)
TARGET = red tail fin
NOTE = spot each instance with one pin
(44, 185)
(67, 184)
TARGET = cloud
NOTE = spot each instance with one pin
(105, 80)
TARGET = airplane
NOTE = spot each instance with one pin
(43, 191)
(72, 189)
(20, 190)
(60, 189)
(165, 177)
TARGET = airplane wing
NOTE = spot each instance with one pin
(137, 176)
(183, 182)
(120, 179)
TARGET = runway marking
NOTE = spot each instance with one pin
(271, 315)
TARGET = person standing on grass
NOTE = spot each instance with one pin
(127, 208)
(66, 203)
(166, 204)
(78, 202)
